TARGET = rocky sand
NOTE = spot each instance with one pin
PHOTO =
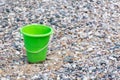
(85, 44)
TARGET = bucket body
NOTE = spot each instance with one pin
(36, 39)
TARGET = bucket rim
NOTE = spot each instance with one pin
(38, 35)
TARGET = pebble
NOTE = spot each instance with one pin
(98, 2)
(118, 67)
(85, 78)
(35, 77)
(2, 2)
(102, 62)
(112, 58)
(1, 71)
(90, 49)
(57, 15)
(68, 59)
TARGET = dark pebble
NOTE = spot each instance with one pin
(118, 67)
(1, 30)
(69, 70)
(6, 37)
(53, 23)
(117, 44)
(5, 19)
(72, 20)
(116, 47)
(30, 19)
(89, 24)
(77, 8)
(63, 13)
(84, 17)
(88, 6)
(7, 10)
(94, 70)
(84, 70)
(102, 63)
(64, 26)
(51, 19)
(68, 59)
(110, 76)
(91, 1)
(79, 75)
(57, 16)
(4, 24)
(17, 19)
(23, 59)
(41, 21)
(79, 68)
(15, 27)
(118, 58)
(17, 47)
(98, 2)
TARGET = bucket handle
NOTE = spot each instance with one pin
(41, 48)
(37, 50)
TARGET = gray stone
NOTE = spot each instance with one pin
(102, 62)
(2, 2)
(68, 59)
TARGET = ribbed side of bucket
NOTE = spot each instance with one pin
(36, 57)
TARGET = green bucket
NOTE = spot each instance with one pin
(36, 39)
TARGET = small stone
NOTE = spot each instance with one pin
(112, 58)
(91, 69)
(91, 1)
(100, 35)
(90, 49)
(89, 24)
(51, 19)
(41, 21)
(102, 62)
(63, 44)
(57, 16)
(85, 78)
(2, 2)
(16, 46)
(98, 2)
(17, 19)
(83, 35)
(79, 68)
(35, 77)
(1, 71)
(110, 75)
(58, 77)
(17, 52)
(118, 58)
(7, 10)
(118, 67)
(117, 44)
(45, 76)
(68, 59)
(74, 65)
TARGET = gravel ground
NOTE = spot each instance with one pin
(85, 46)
